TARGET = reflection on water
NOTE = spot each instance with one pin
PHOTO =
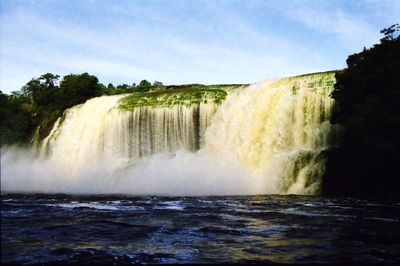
(121, 229)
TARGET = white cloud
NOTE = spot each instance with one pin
(349, 29)
(219, 45)
(60, 46)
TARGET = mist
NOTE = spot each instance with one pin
(180, 174)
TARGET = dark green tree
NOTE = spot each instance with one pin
(123, 88)
(76, 89)
(103, 89)
(107, 90)
(41, 90)
(144, 86)
(367, 97)
(41, 101)
(15, 117)
(110, 86)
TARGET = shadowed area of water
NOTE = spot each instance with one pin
(37, 228)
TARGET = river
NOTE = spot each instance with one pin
(107, 229)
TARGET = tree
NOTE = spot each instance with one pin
(144, 86)
(41, 101)
(157, 84)
(107, 90)
(40, 90)
(123, 88)
(110, 86)
(5, 115)
(77, 89)
(391, 33)
(367, 96)
(15, 117)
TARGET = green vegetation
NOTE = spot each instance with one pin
(171, 95)
(112, 90)
(29, 115)
(322, 81)
(144, 86)
(367, 96)
(34, 109)
(15, 117)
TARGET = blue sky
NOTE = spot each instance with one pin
(184, 41)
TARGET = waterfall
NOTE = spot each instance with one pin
(268, 137)
(100, 132)
(277, 130)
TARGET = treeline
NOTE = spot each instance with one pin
(42, 100)
(367, 99)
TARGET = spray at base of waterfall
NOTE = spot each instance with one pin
(181, 174)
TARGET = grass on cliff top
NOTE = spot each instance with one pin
(311, 80)
(197, 93)
(177, 95)
(322, 81)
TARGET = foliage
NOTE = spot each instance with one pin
(178, 95)
(15, 117)
(40, 90)
(75, 89)
(40, 102)
(143, 86)
(120, 89)
(391, 33)
(157, 84)
(367, 96)
(29, 114)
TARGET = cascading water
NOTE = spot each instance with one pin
(100, 132)
(266, 138)
(277, 130)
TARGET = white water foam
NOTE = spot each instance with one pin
(181, 174)
(264, 139)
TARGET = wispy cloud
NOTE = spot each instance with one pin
(348, 28)
(178, 41)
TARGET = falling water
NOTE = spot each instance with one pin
(277, 130)
(100, 132)
(265, 138)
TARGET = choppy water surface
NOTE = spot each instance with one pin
(39, 228)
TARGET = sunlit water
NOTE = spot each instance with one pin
(266, 138)
(37, 228)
